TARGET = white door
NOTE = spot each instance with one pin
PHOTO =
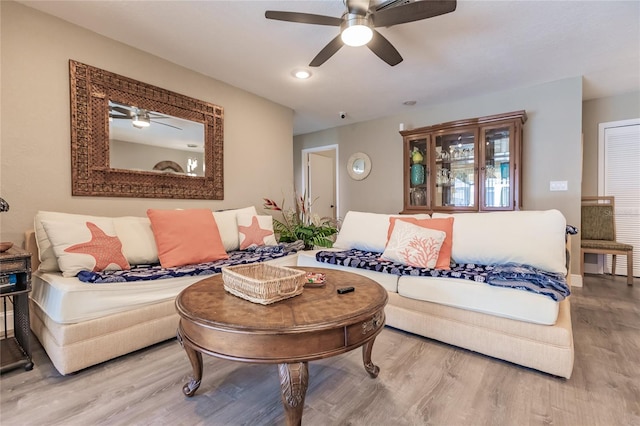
(321, 185)
(619, 176)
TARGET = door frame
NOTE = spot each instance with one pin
(305, 171)
(602, 127)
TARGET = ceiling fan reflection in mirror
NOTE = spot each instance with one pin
(140, 118)
(359, 22)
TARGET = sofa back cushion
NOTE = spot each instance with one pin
(535, 238)
(366, 231)
(138, 243)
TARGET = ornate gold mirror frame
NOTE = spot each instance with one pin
(91, 90)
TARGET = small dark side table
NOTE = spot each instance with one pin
(15, 285)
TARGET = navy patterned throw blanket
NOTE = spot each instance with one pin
(512, 275)
(155, 272)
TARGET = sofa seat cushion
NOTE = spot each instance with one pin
(513, 276)
(605, 245)
(69, 300)
(388, 281)
(481, 297)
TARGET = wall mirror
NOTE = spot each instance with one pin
(152, 141)
(359, 166)
(131, 139)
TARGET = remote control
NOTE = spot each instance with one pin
(344, 290)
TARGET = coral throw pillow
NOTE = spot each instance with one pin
(186, 237)
(85, 246)
(445, 225)
(254, 230)
(414, 245)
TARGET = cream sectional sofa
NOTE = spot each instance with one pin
(80, 324)
(521, 327)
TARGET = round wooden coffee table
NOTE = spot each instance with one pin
(317, 324)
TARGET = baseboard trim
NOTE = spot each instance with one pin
(576, 280)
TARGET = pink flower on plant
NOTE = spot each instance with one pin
(271, 205)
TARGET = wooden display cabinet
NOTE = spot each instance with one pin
(464, 166)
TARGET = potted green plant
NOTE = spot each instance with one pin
(298, 224)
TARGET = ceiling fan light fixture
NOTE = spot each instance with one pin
(140, 120)
(302, 74)
(356, 31)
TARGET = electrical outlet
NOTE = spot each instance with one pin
(558, 185)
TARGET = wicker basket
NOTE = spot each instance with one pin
(263, 283)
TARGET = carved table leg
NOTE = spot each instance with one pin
(195, 358)
(371, 368)
(294, 379)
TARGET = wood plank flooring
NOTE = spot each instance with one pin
(421, 382)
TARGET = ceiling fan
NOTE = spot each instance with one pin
(358, 23)
(140, 118)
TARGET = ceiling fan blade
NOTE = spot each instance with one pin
(358, 7)
(303, 18)
(413, 12)
(121, 110)
(165, 124)
(384, 49)
(328, 51)
(119, 117)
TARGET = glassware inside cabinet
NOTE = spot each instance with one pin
(417, 173)
(455, 170)
(497, 185)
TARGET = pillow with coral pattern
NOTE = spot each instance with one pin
(445, 225)
(255, 230)
(92, 246)
(414, 245)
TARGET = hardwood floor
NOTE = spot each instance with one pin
(421, 382)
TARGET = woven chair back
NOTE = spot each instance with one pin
(597, 221)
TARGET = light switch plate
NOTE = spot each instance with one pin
(558, 185)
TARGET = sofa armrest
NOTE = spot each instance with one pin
(32, 247)
(568, 259)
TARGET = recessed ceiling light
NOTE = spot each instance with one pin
(409, 103)
(301, 74)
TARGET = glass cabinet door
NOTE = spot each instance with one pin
(497, 170)
(454, 177)
(418, 173)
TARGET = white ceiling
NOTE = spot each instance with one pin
(482, 47)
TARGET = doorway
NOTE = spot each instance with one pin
(619, 176)
(320, 179)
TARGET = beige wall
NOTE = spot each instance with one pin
(615, 108)
(35, 130)
(552, 148)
